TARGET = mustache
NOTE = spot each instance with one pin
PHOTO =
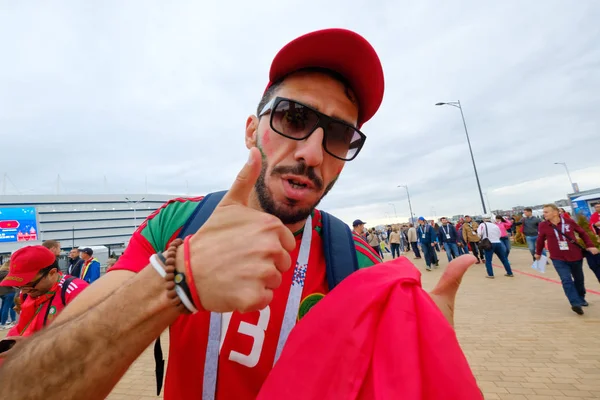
(300, 169)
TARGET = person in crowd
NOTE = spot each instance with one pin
(90, 269)
(7, 296)
(447, 236)
(567, 256)
(45, 291)
(463, 247)
(491, 231)
(426, 236)
(504, 226)
(595, 220)
(469, 231)
(75, 263)
(530, 229)
(564, 213)
(395, 242)
(358, 228)
(374, 241)
(411, 234)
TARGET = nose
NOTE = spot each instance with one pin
(310, 150)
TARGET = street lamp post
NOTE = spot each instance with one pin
(412, 216)
(395, 213)
(135, 203)
(564, 164)
(457, 105)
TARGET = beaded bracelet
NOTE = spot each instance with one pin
(176, 284)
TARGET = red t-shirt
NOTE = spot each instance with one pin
(595, 218)
(249, 340)
(50, 310)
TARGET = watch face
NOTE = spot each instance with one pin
(178, 278)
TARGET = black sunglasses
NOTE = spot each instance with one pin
(298, 121)
(33, 284)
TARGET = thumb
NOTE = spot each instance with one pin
(244, 182)
(444, 293)
(450, 281)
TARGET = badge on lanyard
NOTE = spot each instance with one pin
(562, 244)
(447, 236)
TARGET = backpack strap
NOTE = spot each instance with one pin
(63, 290)
(203, 211)
(339, 249)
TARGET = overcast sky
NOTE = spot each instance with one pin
(162, 90)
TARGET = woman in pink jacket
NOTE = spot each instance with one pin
(504, 226)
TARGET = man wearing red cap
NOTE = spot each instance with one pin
(322, 88)
(45, 291)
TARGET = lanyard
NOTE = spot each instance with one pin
(86, 266)
(211, 363)
(562, 229)
(446, 232)
(423, 230)
(32, 318)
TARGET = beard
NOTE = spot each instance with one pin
(288, 213)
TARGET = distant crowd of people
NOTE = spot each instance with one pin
(493, 236)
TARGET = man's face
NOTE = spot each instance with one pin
(56, 250)
(85, 256)
(528, 213)
(286, 160)
(468, 219)
(597, 208)
(444, 221)
(550, 213)
(41, 284)
(360, 228)
(73, 254)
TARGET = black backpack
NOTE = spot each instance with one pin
(338, 246)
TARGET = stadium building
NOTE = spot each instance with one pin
(74, 220)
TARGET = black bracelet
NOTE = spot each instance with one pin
(182, 283)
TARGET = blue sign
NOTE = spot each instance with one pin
(18, 224)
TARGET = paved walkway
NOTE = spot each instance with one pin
(519, 334)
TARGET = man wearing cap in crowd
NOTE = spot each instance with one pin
(90, 270)
(322, 88)
(358, 228)
(45, 291)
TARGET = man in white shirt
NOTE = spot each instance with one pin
(489, 230)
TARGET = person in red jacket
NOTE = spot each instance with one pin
(595, 220)
(567, 257)
(45, 291)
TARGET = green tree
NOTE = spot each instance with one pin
(584, 223)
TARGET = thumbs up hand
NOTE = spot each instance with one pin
(239, 255)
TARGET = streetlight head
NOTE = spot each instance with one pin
(440, 104)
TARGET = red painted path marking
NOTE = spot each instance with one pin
(544, 278)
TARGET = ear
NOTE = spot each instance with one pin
(251, 131)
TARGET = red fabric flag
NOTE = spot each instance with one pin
(378, 335)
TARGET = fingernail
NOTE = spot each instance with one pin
(250, 158)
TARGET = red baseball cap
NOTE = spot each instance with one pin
(25, 264)
(342, 51)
